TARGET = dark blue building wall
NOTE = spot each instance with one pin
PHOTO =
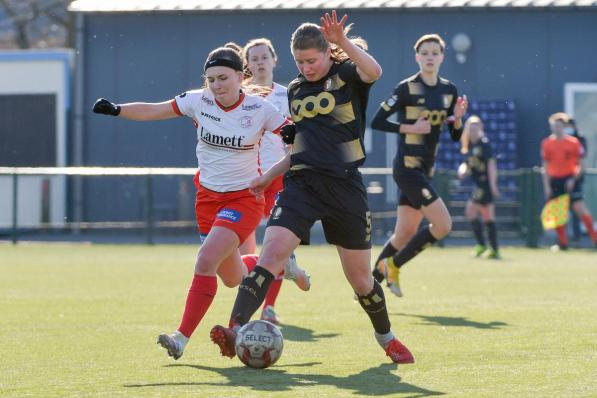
(524, 55)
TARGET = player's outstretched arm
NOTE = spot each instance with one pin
(259, 184)
(333, 30)
(136, 110)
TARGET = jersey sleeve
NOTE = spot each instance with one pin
(387, 108)
(348, 72)
(183, 103)
(455, 133)
(273, 119)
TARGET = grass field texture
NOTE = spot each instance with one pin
(81, 321)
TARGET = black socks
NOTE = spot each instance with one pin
(251, 293)
(374, 304)
(417, 244)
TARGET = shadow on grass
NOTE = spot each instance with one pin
(295, 333)
(455, 321)
(377, 381)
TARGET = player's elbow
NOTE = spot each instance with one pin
(377, 72)
(372, 74)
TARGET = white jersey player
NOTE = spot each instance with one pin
(230, 125)
(260, 60)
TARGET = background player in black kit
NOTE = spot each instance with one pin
(327, 104)
(424, 103)
(482, 167)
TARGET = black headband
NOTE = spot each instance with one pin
(223, 62)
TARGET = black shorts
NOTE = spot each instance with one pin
(482, 194)
(558, 188)
(415, 189)
(340, 204)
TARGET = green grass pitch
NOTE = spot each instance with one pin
(82, 321)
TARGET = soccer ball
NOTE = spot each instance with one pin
(259, 344)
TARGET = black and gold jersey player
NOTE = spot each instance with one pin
(323, 182)
(478, 162)
(411, 101)
(329, 115)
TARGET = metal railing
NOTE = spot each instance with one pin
(520, 209)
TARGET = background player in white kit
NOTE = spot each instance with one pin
(260, 59)
(230, 124)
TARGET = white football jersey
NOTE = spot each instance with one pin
(272, 147)
(228, 139)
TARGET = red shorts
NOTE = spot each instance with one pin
(271, 194)
(239, 211)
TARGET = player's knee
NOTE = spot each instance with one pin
(362, 284)
(442, 229)
(273, 261)
(206, 262)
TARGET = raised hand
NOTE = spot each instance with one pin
(105, 107)
(332, 29)
(460, 107)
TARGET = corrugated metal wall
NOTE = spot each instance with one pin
(525, 55)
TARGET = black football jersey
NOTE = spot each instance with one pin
(411, 99)
(329, 115)
(479, 155)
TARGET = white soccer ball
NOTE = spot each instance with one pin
(259, 344)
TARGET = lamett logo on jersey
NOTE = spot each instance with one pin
(235, 142)
(250, 107)
(311, 106)
(207, 115)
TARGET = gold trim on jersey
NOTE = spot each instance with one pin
(297, 167)
(385, 106)
(415, 88)
(352, 150)
(447, 100)
(413, 112)
(334, 83)
(414, 139)
(344, 113)
(412, 162)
